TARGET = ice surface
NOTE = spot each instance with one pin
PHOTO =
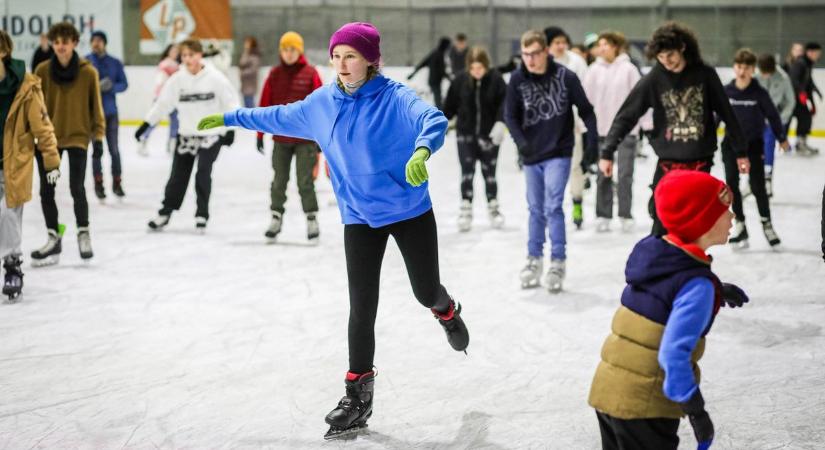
(177, 340)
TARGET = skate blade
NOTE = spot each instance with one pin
(314, 240)
(345, 433)
(739, 246)
(47, 261)
(13, 299)
(271, 240)
(530, 284)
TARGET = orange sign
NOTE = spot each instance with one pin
(164, 22)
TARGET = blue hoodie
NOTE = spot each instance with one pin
(111, 68)
(367, 139)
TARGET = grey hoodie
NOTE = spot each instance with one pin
(781, 91)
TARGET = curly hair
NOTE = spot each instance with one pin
(674, 36)
(63, 30)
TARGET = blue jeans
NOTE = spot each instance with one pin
(114, 153)
(770, 145)
(545, 194)
(248, 101)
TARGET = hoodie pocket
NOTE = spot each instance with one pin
(378, 194)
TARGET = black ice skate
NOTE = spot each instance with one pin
(100, 193)
(354, 409)
(200, 224)
(770, 234)
(13, 283)
(117, 188)
(49, 253)
(457, 334)
(739, 237)
(313, 229)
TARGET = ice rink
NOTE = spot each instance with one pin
(180, 340)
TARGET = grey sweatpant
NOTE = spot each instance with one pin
(11, 224)
(604, 186)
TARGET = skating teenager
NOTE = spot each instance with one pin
(379, 176)
(648, 376)
(193, 91)
(435, 62)
(169, 64)
(288, 82)
(752, 105)
(71, 89)
(779, 86)
(23, 118)
(539, 114)
(608, 82)
(685, 94)
(801, 73)
(476, 98)
(112, 82)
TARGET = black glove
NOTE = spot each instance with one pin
(260, 145)
(589, 158)
(699, 419)
(733, 295)
(525, 150)
(229, 138)
(97, 149)
(141, 130)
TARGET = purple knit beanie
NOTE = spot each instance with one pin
(361, 36)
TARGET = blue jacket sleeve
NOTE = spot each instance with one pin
(120, 84)
(586, 113)
(280, 120)
(513, 112)
(430, 122)
(691, 314)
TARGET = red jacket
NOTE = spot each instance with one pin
(288, 84)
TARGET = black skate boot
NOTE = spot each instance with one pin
(84, 243)
(49, 253)
(457, 334)
(99, 191)
(770, 234)
(117, 188)
(13, 283)
(313, 229)
(354, 409)
(739, 238)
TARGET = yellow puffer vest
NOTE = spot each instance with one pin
(628, 382)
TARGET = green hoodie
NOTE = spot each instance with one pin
(15, 70)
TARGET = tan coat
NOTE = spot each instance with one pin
(629, 381)
(75, 108)
(27, 119)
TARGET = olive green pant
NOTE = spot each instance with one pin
(306, 156)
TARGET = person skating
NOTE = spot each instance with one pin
(539, 114)
(435, 62)
(71, 89)
(558, 45)
(169, 64)
(476, 97)
(608, 82)
(779, 86)
(685, 94)
(193, 92)
(379, 176)
(752, 105)
(458, 55)
(22, 119)
(648, 375)
(801, 74)
(288, 82)
(43, 52)
(112, 81)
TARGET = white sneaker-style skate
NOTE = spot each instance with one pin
(274, 226)
(770, 234)
(200, 224)
(158, 222)
(313, 229)
(84, 243)
(465, 216)
(496, 218)
(555, 276)
(628, 224)
(531, 273)
(739, 237)
(602, 225)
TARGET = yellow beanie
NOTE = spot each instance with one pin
(292, 39)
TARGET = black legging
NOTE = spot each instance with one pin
(436, 90)
(364, 247)
(803, 119)
(77, 177)
(663, 166)
(756, 177)
(182, 165)
(469, 153)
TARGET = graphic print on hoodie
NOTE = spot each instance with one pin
(543, 101)
(684, 109)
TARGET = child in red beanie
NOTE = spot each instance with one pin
(648, 377)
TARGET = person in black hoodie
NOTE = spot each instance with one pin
(435, 61)
(684, 93)
(752, 105)
(476, 96)
(43, 52)
(801, 73)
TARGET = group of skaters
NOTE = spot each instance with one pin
(553, 104)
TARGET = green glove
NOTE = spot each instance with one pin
(213, 121)
(416, 167)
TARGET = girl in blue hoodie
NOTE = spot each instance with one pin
(376, 135)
